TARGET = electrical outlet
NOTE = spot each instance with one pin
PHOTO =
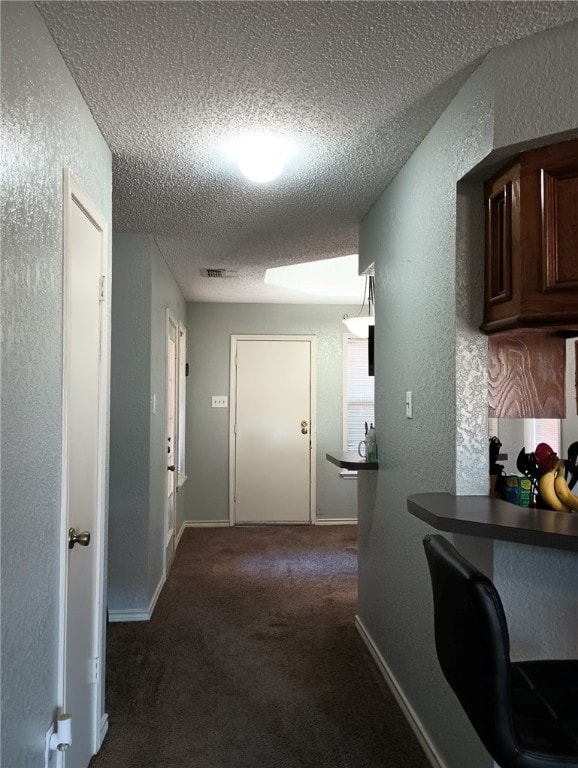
(49, 754)
(219, 401)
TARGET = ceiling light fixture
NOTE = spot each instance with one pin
(359, 325)
(261, 158)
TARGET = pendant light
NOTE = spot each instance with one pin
(359, 325)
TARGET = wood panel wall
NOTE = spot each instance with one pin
(526, 375)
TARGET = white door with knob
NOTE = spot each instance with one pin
(272, 429)
(85, 372)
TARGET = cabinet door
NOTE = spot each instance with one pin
(559, 185)
(499, 243)
(532, 241)
(502, 245)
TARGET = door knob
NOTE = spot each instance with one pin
(171, 468)
(75, 537)
(304, 427)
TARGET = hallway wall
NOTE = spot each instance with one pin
(46, 126)
(143, 287)
(425, 237)
(130, 423)
(209, 329)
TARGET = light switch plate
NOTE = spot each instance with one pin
(409, 405)
(219, 401)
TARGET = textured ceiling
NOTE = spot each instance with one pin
(356, 86)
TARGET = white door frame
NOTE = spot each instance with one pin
(171, 320)
(233, 413)
(181, 406)
(73, 194)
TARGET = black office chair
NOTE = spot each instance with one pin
(525, 713)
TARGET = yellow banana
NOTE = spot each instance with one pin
(564, 493)
(548, 491)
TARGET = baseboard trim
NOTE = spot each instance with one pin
(155, 597)
(408, 711)
(135, 614)
(204, 524)
(227, 524)
(132, 614)
(103, 730)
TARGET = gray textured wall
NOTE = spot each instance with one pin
(209, 329)
(143, 287)
(535, 87)
(45, 127)
(130, 398)
(429, 295)
(416, 350)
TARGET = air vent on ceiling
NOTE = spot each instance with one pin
(216, 272)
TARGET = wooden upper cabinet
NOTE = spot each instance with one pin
(532, 241)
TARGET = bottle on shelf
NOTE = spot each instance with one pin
(371, 444)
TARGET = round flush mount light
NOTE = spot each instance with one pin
(261, 158)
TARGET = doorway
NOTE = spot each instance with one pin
(85, 412)
(171, 437)
(272, 430)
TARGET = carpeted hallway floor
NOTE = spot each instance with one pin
(251, 660)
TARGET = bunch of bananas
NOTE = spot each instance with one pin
(555, 491)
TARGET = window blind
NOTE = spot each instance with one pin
(542, 431)
(493, 427)
(359, 394)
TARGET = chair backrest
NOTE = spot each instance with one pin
(472, 644)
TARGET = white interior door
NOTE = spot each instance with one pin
(272, 478)
(171, 432)
(85, 246)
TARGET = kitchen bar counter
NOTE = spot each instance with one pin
(350, 460)
(496, 519)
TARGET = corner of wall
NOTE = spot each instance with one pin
(129, 496)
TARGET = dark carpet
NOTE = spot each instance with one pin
(252, 660)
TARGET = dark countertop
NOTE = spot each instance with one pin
(350, 460)
(496, 519)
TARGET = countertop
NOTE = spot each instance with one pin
(350, 460)
(496, 519)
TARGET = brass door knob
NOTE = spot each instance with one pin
(76, 537)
